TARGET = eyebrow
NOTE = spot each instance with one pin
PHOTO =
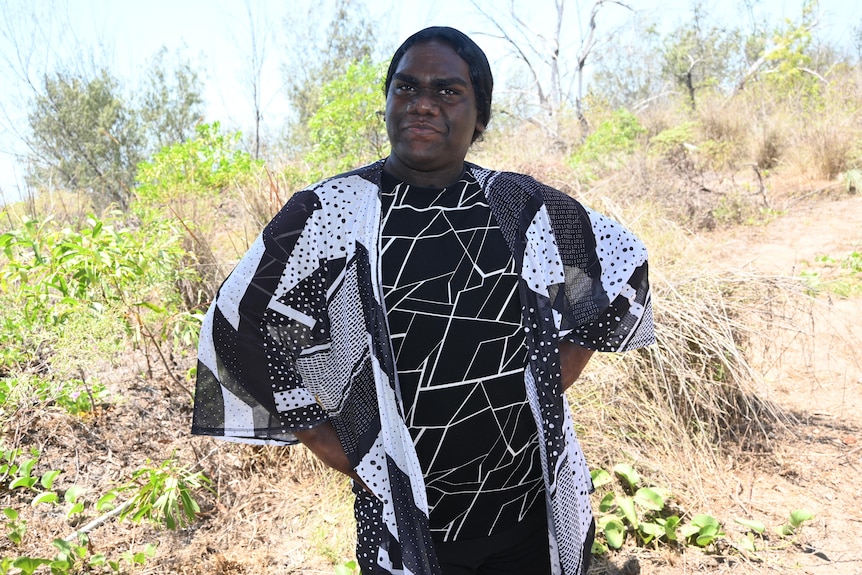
(435, 82)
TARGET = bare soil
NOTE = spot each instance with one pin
(277, 512)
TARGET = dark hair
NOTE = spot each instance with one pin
(468, 50)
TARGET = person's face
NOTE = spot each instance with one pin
(431, 115)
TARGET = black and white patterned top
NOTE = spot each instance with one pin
(453, 309)
(298, 335)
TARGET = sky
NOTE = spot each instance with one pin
(215, 33)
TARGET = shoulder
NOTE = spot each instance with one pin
(369, 173)
(309, 198)
(521, 184)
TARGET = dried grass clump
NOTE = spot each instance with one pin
(723, 119)
(698, 392)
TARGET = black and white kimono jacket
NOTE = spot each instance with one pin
(297, 335)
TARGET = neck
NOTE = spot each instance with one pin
(418, 178)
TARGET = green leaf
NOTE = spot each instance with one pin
(704, 521)
(688, 530)
(28, 482)
(747, 544)
(615, 533)
(798, 516)
(76, 508)
(651, 529)
(106, 501)
(600, 477)
(670, 525)
(28, 565)
(649, 499)
(48, 479)
(627, 505)
(707, 535)
(628, 473)
(73, 493)
(97, 560)
(45, 497)
(11, 513)
(756, 526)
(607, 503)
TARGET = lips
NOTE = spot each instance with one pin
(422, 128)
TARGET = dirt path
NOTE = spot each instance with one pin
(819, 378)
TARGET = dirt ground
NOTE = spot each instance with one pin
(275, 514)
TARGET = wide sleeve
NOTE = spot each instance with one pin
(605, 301)
(248, 388)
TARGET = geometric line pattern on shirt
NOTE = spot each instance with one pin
(453, 309)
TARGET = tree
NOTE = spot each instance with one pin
(542, 56)
(698, 55)
(349, 38)
(254, 48)
(347, 127)
(627, 74)
(83, 136)
(172, 104)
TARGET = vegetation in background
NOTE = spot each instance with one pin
(86, 135)
(691, 133)
(347, 128)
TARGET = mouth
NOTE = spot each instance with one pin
(422, 129)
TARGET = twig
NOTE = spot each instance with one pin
(98, 521)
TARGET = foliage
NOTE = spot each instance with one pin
(85, 137)
(672, 141)
(17, 474)
(73, 395)
(627, 72)
(74, 557)
(612, 140)
(790, 58)
(54, 274)
(346, 128)
(348, 38)
(84, 134)
(204, 165)
(697, 56)
(640, 512)
(756, 539)
(644, 514)
(162, 495)
(172, 104)
(841, 276)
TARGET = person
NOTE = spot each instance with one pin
(416, 322)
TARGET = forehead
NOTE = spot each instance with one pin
(433, 60)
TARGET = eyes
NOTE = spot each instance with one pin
(403, 88)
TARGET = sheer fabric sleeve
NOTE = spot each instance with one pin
(248, 388)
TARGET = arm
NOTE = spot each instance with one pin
(324, 443)
(573, 359)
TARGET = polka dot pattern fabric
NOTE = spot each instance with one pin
(297, 335)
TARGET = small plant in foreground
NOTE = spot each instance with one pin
(756, 538)
(17, 527)
(75, 557)
(160, 494)
(347, 568)
(797, 518)
(840, 276)
(643, 513)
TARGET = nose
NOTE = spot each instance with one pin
(423, 102)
